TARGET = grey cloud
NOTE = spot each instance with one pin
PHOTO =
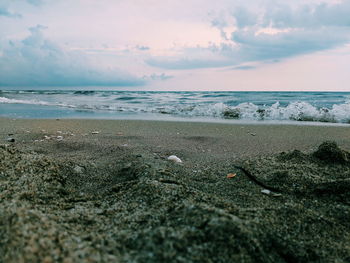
(142, 48)
(36, 61)
(271, 46)
(243, 68)
(305, 16)
(5, 12)
(298, 29)
(244, 17)
(155, 76)
(35, 2)
(185, 63)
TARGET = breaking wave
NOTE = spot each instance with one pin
(296, 111)
(257, 106)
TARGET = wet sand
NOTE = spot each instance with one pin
(104, 191)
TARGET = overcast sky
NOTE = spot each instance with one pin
(176, 45)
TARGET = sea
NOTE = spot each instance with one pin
(257, 107)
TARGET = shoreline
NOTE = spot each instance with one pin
(220, 138)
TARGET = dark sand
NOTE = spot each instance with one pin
(114, 197)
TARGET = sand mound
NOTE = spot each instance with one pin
(137, 211)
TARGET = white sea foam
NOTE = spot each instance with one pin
(319, 107)
(16, 101)
(298, 111)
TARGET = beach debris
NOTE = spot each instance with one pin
(95, 132)
(78, 169)
(270, 193)
(59, 138)
(266, 192)
(231, 175)
(252, 134)
(10, 139)
(125, 145)
(174, 159)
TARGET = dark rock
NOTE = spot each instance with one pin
(231, 114)
(10, 139)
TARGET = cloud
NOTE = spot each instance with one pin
(243, 68)
(285, 44)
(244, 17)
(35, 2)
(197, 57)
(308, 16)
(155, 76)
(36, 61)
(5, 12)
(272, 31)
(142, 48)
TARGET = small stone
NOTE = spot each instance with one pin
(266, 192)
(270, 193)
(174, 159)
(10, 139)
(95, 132)
(230, 175)
(78, 169)
(59, 138)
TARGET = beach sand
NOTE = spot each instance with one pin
(104, 191)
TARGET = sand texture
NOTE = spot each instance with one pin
(104, 191)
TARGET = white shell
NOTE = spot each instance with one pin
(174, 159)
(266, 192)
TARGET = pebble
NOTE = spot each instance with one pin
(78, 169)
(95, 132)
(270, 193)
(10, 139)
(174, 159)
(266, 192)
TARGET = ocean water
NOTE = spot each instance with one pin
(320, 107)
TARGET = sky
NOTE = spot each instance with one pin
(251, 45)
